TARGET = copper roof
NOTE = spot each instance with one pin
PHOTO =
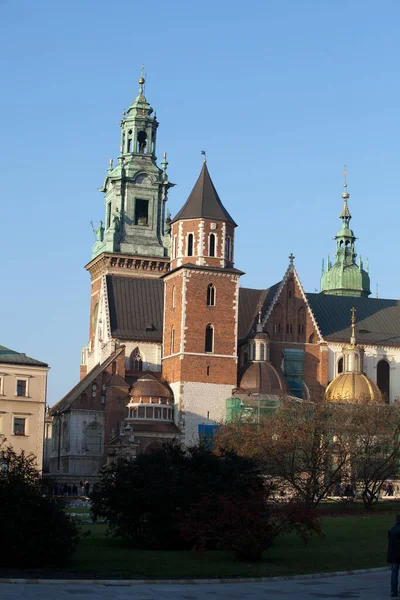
(149, 387)
(260, 377)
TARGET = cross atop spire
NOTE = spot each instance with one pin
(353, 326)
(291, 258)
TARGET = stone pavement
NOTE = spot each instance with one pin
(369, 586)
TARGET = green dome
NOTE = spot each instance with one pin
(345, 280)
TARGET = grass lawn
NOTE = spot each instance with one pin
(350, 542)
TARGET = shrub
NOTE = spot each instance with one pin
(245, 526)
(35, 531)
(144, 499)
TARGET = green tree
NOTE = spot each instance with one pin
(35, 531)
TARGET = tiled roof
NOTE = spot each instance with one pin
(65, 403)
(377, 319)
(136, 307)
(249, 305)
(204, 202)
(11, 357)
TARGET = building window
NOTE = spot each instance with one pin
(208, 370)
(1, 386)
(340, 365)
(190, 244)
(383, 378)
(261, 351)
(173, 296)
(211, 295)
(129, 146)
(19, 426)
(108, 217)
(172, 340)
(228, 251)
(289, 328)
(294, 370)
(22, 387)
(209, 345)
(141, 144)
(175, 246)
(211, 251)
(136, 360)
(141, 212)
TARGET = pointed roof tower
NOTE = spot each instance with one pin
(204, 202)
(345, 277)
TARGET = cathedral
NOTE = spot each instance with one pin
(176, 345)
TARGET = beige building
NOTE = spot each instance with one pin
(23, 383)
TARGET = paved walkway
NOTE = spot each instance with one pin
(369, 586)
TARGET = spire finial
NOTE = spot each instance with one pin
(205, 156)
(353, 326)
(259, 314)
(345, 194)
(291, 258)
(141, 80)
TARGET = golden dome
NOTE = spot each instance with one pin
(352, 388)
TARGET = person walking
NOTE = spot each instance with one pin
(393, 555)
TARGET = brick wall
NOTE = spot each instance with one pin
(201, 229)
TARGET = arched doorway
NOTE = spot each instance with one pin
(383, 378)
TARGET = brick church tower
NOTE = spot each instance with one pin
(201, 310)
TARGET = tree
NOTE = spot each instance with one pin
(35, 531)
(144, 499)
(373, 446)
(301, 446)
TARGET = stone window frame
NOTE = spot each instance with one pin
(215, 244)
(193, 244)
(211, 295)
(23, 416)
(25, 378)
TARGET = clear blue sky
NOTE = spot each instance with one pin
(280, 93)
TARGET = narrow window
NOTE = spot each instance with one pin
(340, 365)
(172, 339)
(228, 248)
(141, 142)
(19, 426)
(175, 245)
(108, 220)
(208, 414)
(129, 145)
(21, 387)
(136, 360)
(190, 244)
(212, 245)
(141, 212)
(383, 378)
(211, 295)
(262, 352)
(173, 296)
(208, 370)
(209, 338)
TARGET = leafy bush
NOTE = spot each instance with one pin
(246, 526)
(144, 499)
(35, 531)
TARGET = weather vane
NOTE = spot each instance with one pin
(205, 155)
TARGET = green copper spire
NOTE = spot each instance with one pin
(345, 277)
(135, 189)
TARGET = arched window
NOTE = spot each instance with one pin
(175, 246)
(190, 244)
(340, 365)
(301, 316)
(211, 295)
(172, 339)
(94, 438)
(209, 345)
(136, 360)
(383, 378)
(261, 351)
(312, 339)
(173, 296)
(211, 251)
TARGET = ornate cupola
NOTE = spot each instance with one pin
(353, 385)
(135, 194)
(345, 277)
